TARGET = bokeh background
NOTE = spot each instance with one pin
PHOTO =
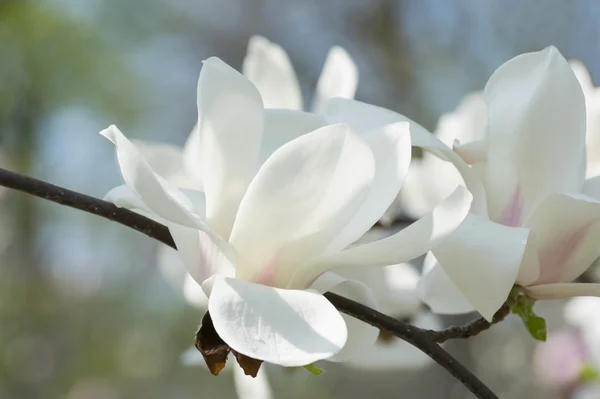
(84, 311)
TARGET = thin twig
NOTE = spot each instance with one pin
(470, 329)
(414, 336)
(425, 340)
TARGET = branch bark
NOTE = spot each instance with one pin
(425, 340)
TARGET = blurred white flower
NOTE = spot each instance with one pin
(430, 179)
(569, 362)
(541, 228)
(282, 199)
(268, 66)
(528, 177)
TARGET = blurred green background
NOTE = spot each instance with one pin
(84, 312)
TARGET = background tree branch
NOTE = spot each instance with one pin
(425, 340)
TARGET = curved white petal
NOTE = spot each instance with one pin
(201, 256)
(284, 327)
(174, 271)
(439, 292)
(230, 125)
(563, 290)
(154, 191)
(397, 354)
(392, 152)
(283, 126)
(482, 259)
(416, 197)
(268, 66)
(123, 196)
(248, 387)
(164, 159)
(192, 158)
(193, 293)
(299, 201)
(536, 132)
(339, 78)
(364, 117)
(472, 152)
(566, 230)
(399, 299)
(411, 242)
(360, 334)
(466, 123)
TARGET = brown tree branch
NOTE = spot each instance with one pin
(425, 340)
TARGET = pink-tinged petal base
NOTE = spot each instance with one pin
(555, 257)
(512, 215)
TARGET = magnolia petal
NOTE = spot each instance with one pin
(192, 160)
(201, 256)
(360, 335)
(364, 117)
(472, 152)
(536, 131)
(339, 78)
(123, 196)
(414, 197)
(439, 292)
(284, 327)
(563, 290)
(397, 354)
(154, 191)
(466, 123)
(248, 387)
(394, 286)
(299, 201)
(482, 259)
(283, 126)
(165, 159)
(566, 230)
(411, 242)
(392, 152)
(268, 66)
(193, 293)
(174, 271)
(230, 124)
(400, 298)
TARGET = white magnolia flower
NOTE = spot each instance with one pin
(395, 289)
(534, 221)
(542, 227)
(430, 179)
(280, 203)
(268, 66)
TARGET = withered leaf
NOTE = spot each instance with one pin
(248, 364)
(213, 349)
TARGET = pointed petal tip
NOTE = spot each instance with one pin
(110, 132)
